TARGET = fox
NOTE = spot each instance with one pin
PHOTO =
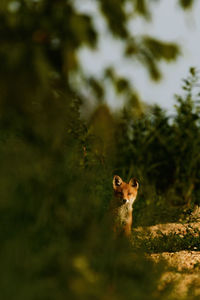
(121, 205)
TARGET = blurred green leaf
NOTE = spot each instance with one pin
(186, 4)
(141, 7)
(122, 85)
(114, 13)
(161, 50)
(97, 87)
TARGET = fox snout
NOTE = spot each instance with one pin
(124, 201)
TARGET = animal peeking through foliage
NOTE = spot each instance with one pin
(122, 204)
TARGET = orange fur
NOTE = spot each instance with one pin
(121, 204)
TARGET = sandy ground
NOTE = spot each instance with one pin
(181, 261)
(166, 229)
(182, 269)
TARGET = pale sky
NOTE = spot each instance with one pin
(169, 23)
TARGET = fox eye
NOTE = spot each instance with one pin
(129, 193)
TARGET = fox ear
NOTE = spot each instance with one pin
(134, 183)
(117, 181)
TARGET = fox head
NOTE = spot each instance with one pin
(126, 193)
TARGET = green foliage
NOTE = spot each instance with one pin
(150, 51)
(186, 4)
(142, 8)
(115, 15)
(56, 170)
(164, 154)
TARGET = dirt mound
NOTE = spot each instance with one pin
(180, 261)
(181, 268)
(166, 229)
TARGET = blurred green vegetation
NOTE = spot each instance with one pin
(56, 169)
